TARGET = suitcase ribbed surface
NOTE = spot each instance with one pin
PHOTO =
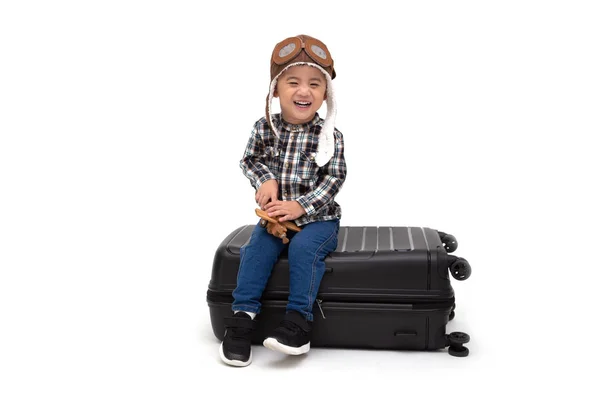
(358, 239)
(372, 239)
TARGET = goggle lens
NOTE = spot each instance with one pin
(287, 50)
(319, 52)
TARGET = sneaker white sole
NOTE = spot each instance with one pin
(273, 344)
(235, 363)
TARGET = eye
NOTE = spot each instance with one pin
(314, 85)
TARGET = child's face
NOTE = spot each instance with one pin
(301, 91)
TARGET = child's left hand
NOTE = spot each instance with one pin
(286, 210)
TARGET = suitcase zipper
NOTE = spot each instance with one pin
(319, 301)
(417, 303)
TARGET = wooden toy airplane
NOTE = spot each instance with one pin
(276, 228)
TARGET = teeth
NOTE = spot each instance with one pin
(303, 103)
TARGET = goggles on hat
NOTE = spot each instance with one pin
(289, 48)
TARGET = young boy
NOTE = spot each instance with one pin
(295, 161)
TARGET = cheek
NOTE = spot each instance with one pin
(279, 90)
(283, 91)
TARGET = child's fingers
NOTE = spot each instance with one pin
(273, 203)
(274, 212)
(273, 206)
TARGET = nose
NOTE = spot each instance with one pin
(303, 89)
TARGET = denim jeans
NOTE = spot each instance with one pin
(306, 254)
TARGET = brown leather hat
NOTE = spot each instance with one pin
(301, 48)
(306, 50)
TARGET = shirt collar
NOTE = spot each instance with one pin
(283, 125)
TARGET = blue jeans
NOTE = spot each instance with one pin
(306, 256)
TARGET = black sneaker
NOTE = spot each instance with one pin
(292, 336)
(236, 348)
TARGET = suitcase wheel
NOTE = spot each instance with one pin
(458, 338)
(458, 351)
(460, 269)
(452, 314)
(455, 341)
(449, 242)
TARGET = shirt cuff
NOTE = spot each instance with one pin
(308, 207)
(263, 178)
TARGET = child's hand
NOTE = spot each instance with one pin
(266, 192)
(286, 210)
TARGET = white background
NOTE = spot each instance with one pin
(122, 124)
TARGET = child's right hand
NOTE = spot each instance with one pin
(266, 192)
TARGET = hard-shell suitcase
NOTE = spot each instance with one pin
(384, 288)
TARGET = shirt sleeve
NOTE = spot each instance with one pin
(331, 178)
(252, 164)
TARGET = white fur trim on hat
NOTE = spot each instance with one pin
(326, 138)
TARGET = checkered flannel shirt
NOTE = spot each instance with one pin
(291, 161)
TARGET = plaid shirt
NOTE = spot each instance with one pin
(290, 159)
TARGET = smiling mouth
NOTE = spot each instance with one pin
(303, 104)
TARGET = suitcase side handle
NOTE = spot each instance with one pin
(405, 333)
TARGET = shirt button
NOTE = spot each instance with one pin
(287, 165)
(285, 192)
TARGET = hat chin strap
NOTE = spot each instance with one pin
(326, 138)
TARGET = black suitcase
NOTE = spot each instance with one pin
(384, 288)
